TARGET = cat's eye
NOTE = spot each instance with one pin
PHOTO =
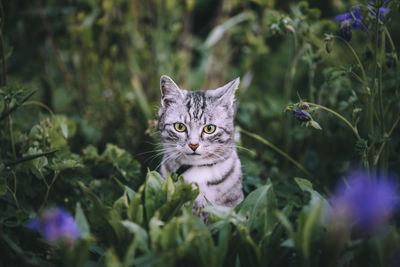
(210, 128)
(179, 126)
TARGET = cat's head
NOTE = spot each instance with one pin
(196, 127)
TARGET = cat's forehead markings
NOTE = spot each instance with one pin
(196, 104)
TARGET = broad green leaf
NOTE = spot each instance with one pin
(141, 237)
(78, 254)
(64, 129)
(129, 191)
(154, 196)
(198, 242)
(135, 208)
(223, 243)
(121, 205)
(65, 164)
(316, 199)
(170, 235)
(155, 232)
(111, 258)
(168, 187)
(249, 253)
(80, 219)
(258, 208)
(219, 212)
(218, 32)
(312, 223)
(182, 194)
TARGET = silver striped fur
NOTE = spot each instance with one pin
(214, 165)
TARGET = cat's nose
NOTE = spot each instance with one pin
(194, 147)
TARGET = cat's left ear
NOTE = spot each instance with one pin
(226, 93)
(170, 92)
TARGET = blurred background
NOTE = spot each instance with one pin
(98, 62)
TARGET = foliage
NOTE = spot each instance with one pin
(79, 90)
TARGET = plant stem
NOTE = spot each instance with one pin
(363, 73)
(48, 190)
(37, 103)
(384, 142)
(353, 128)
(279, 151)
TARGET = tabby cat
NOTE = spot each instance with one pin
(197, 133)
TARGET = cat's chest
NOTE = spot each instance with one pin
(204, 175)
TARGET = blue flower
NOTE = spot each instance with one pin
(382, 11)
(56, 225)
(301, 115)
(365, 204)
(350, 21)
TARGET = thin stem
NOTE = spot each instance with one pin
(384, 142)
(363, 73)
(393, 47)
(279, 151)
(37, 103)
(358, 78)
(14, 196)
(353, 128)
(48, 190)
(14, 192)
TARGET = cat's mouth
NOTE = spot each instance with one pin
(193, 154)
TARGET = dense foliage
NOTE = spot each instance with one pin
(317, 132)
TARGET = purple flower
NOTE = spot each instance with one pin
(301, 115)
(350, 21)
(366, 204)
(56, 225)
(382, 11)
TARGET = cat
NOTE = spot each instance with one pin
(197, 133)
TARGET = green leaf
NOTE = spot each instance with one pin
(111, 258)
(224, 232)
(80, 219)
(249, 253)
(316, 197)
(155, 232)
(64, 129)
(135, 209)
(154, 195)
(308, 232)
(65, 164)
(141, 237)
(182, 194)
(218, 32)
(258, 208)
(120, 205)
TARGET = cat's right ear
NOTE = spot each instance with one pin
(170, 92)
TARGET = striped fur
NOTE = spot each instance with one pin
(214, 165)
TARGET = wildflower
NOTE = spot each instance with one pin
(56, 225)
(366, 204)
(301, 115)
(350, 21)
(382, 11)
